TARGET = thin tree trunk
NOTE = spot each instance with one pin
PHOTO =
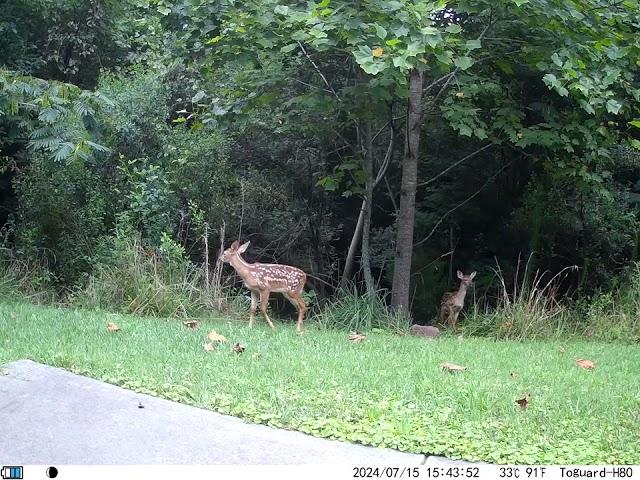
(353, 248)
(406, 214)
(357, 233)
(368, 203)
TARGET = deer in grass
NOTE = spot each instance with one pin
(452, 302)
(263, 278)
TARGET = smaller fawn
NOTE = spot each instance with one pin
(263, 278)
(452, 302)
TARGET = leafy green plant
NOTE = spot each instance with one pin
(132, 277)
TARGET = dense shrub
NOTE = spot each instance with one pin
(134, 278)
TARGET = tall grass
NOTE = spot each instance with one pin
(530, 309)
(23, 280)
(615, 315)
(352, 311)
(153, 282)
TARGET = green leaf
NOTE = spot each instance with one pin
(454, 28)
(433, 42)
(402, 62)
(380, 32)
(164, 10)
(401, 31)
(393, 5)
(465, 130)
(414, 48)
(373, 68)
(64, 151)
(197, 97)
(463, 62)
(481, 133)
(551, 80)
(505, 66)
(214, 40)
(635, 123)
(555, 58)
(289, 48)
(429, 31)
(445, 57)
(613, 106)
(519, 3)
(473, 44)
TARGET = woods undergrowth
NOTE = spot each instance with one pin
(164, 283)
(380, 148)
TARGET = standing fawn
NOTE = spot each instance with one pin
(263, 278)
(452, 302)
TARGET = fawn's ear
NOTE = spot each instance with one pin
(472, 276)
(244, 247)
(235, 245)
(460, 275)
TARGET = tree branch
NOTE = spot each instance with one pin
(473, 154)
(324, 79)
(467, 200)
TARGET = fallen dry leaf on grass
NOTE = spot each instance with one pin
(216, 337)
(208, 347)
(13, 316)
(355, 337)
(256, 355)
(524, 402)
(514, 375)
(112, 327)
(191, 323)
(452, 367)
(238, 348)
(561, 349)
(460, 338)
(586, 364)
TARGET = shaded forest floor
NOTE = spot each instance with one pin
(387, 390)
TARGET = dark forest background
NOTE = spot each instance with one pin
(132, 132)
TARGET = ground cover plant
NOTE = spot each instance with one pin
(384, 389)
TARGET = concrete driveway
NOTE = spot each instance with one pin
(51, 416)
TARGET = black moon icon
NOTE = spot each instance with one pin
(52, 472)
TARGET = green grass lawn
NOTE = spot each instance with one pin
(386, 391)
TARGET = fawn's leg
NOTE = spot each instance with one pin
(264, 301)
(254, 306)
(302, 309)
(453, 318)
(443, 320)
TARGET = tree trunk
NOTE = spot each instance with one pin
(406, 213)
(368, 204)
(353, 248)
(357, 233)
